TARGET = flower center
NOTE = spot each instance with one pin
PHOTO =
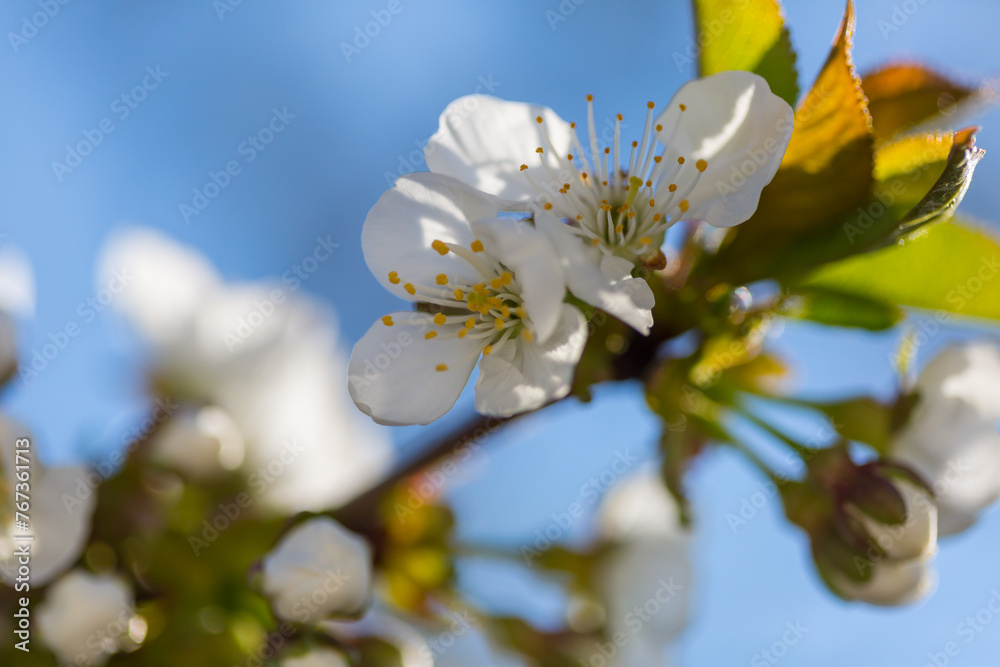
(491, 310)
(622, 208)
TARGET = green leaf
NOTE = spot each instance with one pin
(861, 419)
(904, 95)
(839, 309)
(747, 35)
(948, 267)
(826, 174)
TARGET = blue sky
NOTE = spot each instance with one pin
(356, 118)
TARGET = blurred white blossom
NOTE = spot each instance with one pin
(85, 617)
(266, 356)
(952, 438)
(317, 570)
(645, 580)
(59, 516)
(318, 657)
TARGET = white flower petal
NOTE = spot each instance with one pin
(408, 218)
(17, 283)
(735, 123)
(914, 538)
(522, 376)
(893, 583)
(393, 376)
(317, 657)
(624, 299)
(533, 260)
(484, 141)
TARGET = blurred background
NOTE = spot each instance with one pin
(357, 112)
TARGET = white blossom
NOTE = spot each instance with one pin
(85, 617)
(317, 570)
(706, 156)
(952, 438)
(497, 294)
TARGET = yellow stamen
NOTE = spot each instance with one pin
(469, 323)
(440, 319)
(487, 349)
(441, 279)
(410, 288)
(387, 321)
(393, 277)
(430, 334)
(477, 246)
(684, 205)
(506, 277)
(440, 368)
(527, 336)
(459, 294)
(701, 165)
(440, 247)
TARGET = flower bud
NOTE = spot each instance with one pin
(318, 569)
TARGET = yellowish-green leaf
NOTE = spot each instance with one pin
(947, 267)
(904, 95)
(747, 35)
(835, 308)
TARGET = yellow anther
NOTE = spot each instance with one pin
(462, 333)
(607, 151)
(410, 288)
(494, 301)
(524, 167)
(538, 119)
(645, 240)
(572, 126)
(505, 311)
(595, 242)
(527, 336)
(620, 228)
(496, 283)
(650, 105)
(590, 98)
(469, 323)
(672, 187)
(657, 217)
(680, 160)
(440, 247)
(477, 246)
(441, 279)
(393, 277)
(570, 157)
(487, 349)
(683, 107)
(521, 312)
(387, 321)
(440, 368)
(539, 150)
(498, 323)
(548, 206)
(506, 277)
(430, 334)
(480, 288)
(620, 117)
(459, 294)
(584, 176)
(440, 319)
(659, 128)
(652, 202)
(701, 165)
(684, 205)
(658, 159)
